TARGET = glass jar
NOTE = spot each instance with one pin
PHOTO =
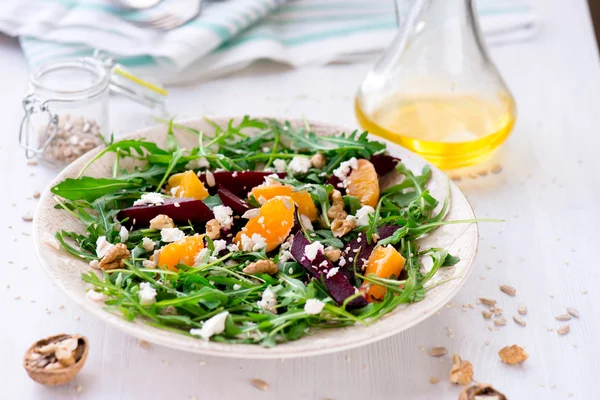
(66, 110)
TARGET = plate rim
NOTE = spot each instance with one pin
(131, 328)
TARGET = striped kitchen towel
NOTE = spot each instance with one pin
(229, 35)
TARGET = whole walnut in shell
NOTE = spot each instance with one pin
(56, 360)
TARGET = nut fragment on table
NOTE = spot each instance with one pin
(461, 372)
(513, 354)
(56, 360)
(481, 391)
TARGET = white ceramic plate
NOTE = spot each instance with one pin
(460, 240)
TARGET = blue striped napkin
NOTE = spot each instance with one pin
(229, 35)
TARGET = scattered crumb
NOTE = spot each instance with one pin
(500, 321)
(486, 314)
(563, 330)
(61, 307)
(487, 342)
(144, 344)
(79, 388)
(36, 195)
(77, 318)
(438, 351)
(201, 362)
(519, 320)
(487, 301)
(572, 311)
(165, 362)
(433, 380)
(509, 290)
(27, 217)
(522, 309)
(563, 317)
(260, 384)
(513, 354)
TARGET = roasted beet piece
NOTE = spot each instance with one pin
(238, 183)
(364, 249)
(338, 286)
(181, 210)
(337, 184)
(229, 199)
(383, 163)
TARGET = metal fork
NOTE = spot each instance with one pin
(172, 14)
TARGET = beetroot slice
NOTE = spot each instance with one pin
(364, 249)
(383, 163)
(238, 183)
(229, 199)
(338, 286)
(181, 210)
(337, 184)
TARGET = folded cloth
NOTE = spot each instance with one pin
(229, 35)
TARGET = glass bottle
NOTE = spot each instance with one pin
(435, 91)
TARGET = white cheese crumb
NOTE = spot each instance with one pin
(362, 215)
(95, 296)
(342, 262)
(148, 244)
(252, 213)
(174, 190)
(291, 270)
(123, 234)
(268, 301)
(171, 235)
(200, 258)
(305, 221)
(313, 306)
(223, 215)
(210, 179)
(271, 180)
(312, 250)
(149, 263)
(233, 248)
(149, 199)
(323, 264)
(299, 165)
(147, 294)
(332, 272)
(284, 257)
(237, 287)
(345, 168)
(212, 326)
(261, 200)
(254, 243)
(220, 245)
(102, 246)
(279, 165)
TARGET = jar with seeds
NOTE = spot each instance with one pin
(66, 110)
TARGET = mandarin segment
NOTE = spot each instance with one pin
(384, 262)
(187, 185)
(274, 222)
(181, 252)
(302, 198)
(305, 204)
(364, 183)
(270, 191)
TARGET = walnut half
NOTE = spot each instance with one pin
(461, 372)
(513, 354)
(56, 360)
(337, 206)
(261, 267)
(114, 257)
(340, 227)
(213, 229)
(481, 391)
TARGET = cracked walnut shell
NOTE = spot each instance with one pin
(513, 354)
(481, 391)
(56, 360)
(461, 372)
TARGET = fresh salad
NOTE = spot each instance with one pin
(263, 233)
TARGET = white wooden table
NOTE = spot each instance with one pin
(548, 193)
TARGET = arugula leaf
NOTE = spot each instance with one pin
(89, 189)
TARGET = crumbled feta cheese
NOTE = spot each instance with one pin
(95, 296)
(268, 301)
(148, 244)
(291, 270)
(332, 272)
(201, 162)
(362, 215)
(261, 220)
(252, 213)
(305, 221)
(149, 264)
(123, 234)
(279, 165)
(313, 249)
(271, 180)
(169, 235)
(212, 326)
(147, 294)
(324, 263)
(102, 246)
(202, 256)
(313, 306)
(149, 199)
(351, 218)
(223, 215)
(220, 245)
(174, 190)
(345, 168)
(237, 287)
(233, 248)
(342, 262)
(299, 165)
(284, 256)
(286, 245)
(286, 202)
(266, 149)
(254, 243)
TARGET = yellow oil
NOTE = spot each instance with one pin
(450, 132)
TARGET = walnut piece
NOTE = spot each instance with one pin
(340, 227)
(261, 267)
(481, 391)
(337, 207)
(57, 359)
(513, 354)
(461, 372)
(161, 221)
(114, 257)
(333, 254)
(213, 229)
(318, 161)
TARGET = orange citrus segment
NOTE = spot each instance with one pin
(274, 223)
(181, 252)
(301, 198)
(385, 262)
(188, 185)
(305, 204)
(268, 192)
(364, 184)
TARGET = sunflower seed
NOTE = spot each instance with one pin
(433, 380)
(498, 311)
(27, 217)
(563, 317)
(573, 312)
(563, 330)
(519, 320)
(260, 384)
(486, 314)
(500, 321)
(522, 309)
(438, 351)
(509, 290)
(487, 301)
